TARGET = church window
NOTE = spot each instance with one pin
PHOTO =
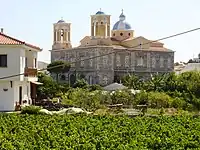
(121, 34)
(90, 62)
(82, 62)
(72, 60)
(129, 34)
(101, 22)
(113, 34)
(169, 62)
(126, 61)
(118, 62)
(105, 60)
(105, 80)
(153, 62)
(140, 61)
(161, 62)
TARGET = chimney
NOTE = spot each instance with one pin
(1, 30)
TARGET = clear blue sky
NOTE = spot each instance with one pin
(32, 21)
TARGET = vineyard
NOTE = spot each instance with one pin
(98, 132)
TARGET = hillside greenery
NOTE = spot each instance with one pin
(98, 132)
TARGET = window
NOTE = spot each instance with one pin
(3, 60)
(26, 62)
(169, 62)
(126, 61)
(90, 62)
(140, 61)
(161, 62)
(153, 62)
(35, 62)
(118, 62)
(105, 61)
(113, 34)
(82, 62)
(121, 34)
(129, 34)
(105, 80)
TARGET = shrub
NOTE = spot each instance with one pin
(30, 110)
(153, 99)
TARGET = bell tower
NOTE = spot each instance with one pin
(62, 35)
(100, 24)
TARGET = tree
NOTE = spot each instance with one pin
(58, 67)
(49, 88)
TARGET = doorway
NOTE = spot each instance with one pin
(20, 95)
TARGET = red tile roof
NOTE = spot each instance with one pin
(7, 40)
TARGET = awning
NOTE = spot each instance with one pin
(35, 82)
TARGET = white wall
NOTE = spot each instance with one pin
(26, 91)
(6, 97)
(16, 57)
(13, 62)
(9, 98)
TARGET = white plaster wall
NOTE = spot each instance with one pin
(6, 97)
(16, 57)
(13, 58)
(26, 90)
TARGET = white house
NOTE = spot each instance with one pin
(18, 60)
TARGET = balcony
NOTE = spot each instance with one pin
(30, 72)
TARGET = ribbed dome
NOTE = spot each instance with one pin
(61, 21)
(121, 24)
(100, 13)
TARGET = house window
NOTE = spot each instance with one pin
(26, 62)
(35, 62)
(3, 60)
(140, 61)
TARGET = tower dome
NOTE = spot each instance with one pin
(61, 21)
(100, 12)
(121, 24)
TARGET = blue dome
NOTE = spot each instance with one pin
(121, 24)
(61, 21)
(100, 13)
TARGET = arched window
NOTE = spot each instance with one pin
(121, 34)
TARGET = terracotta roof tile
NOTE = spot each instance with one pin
(7, 40)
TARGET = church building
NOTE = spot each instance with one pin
(109, 53)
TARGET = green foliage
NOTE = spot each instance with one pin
(49, 88)
(81, 83)
(183, 88)
(58, 67)
(30, 109)
(153, 99)
(98, 132)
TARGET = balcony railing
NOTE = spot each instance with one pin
(30, 72)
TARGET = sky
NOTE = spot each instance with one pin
(32, 21)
